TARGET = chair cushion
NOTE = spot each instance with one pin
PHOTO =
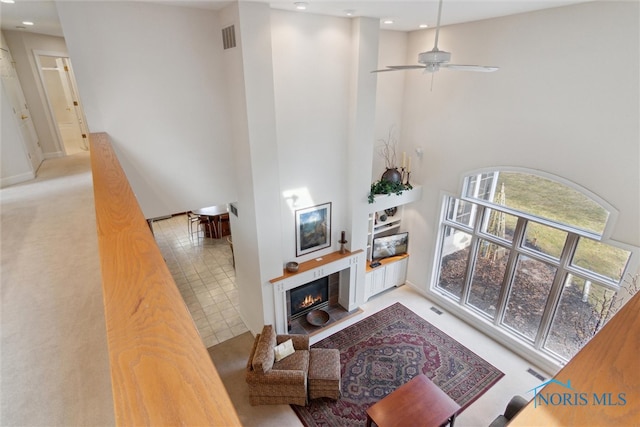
(264, 356)
(298, 361)
(283, 350)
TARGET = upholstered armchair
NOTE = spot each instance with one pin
(274, 382)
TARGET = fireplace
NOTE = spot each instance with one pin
(341, 294)
(308, 297)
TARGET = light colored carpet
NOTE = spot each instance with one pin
(54, 359)
(230, 359)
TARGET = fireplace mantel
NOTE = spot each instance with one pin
(315, 269)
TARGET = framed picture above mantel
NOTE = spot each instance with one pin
(313, 228)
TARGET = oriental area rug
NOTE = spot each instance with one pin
(385, 350)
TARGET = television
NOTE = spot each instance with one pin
(388, 246)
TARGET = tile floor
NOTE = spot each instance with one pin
(203, 270)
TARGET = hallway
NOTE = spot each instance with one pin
(54, 359)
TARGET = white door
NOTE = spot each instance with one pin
(20, 109)
(63, 101)
(69, 82)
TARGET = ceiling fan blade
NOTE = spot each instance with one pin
(478, 68)
(382, 71)
(400, 68)
(406, 67)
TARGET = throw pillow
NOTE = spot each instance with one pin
(283, 350)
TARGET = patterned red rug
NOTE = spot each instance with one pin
(384, 351)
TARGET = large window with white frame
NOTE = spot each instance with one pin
(525, 252)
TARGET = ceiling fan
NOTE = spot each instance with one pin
(435, 59)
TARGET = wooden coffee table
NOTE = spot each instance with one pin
(417, 403)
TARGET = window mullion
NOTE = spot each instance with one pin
(473, 250)
(556, 290)
(518, 235)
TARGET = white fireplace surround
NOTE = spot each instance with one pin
(346, 265)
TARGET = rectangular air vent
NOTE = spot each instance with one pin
(436, 311)
(229, 37)
(233, 209)
(535, 374)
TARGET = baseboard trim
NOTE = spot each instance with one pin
(16, 179)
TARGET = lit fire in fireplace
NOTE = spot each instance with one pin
(310, 300)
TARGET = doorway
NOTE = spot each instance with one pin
(18, 105)
(64, 103)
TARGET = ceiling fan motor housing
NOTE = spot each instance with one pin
(434, 56)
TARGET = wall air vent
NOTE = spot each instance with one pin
(535, 374)
(436, 311)
(229, 37)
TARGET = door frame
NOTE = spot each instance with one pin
(31, 144)
(51, 118)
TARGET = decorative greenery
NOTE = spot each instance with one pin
(387, 187)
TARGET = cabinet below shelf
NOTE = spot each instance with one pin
(391, 272)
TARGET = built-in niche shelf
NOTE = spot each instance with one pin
(391, 272)
(381, 223)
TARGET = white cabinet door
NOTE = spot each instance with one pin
(368, 286)
(378, 280)
(385, 277)
(374, 282)
(396, 273)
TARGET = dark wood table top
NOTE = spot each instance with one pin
(417, 403)
(212, 210)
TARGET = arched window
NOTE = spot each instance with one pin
(525, 251)
(542, 197)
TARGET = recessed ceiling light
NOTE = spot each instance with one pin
(7, 1)
(27, 23)
(350, 12)
(423, 26)
(300, 5)
(388, 21)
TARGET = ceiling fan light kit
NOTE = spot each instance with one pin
(434, 56)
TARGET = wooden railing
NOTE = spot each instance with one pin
(604, 380)
(161, 372)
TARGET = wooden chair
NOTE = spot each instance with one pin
(193, 224)
(223, 224)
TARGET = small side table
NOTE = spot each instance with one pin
(417, 403)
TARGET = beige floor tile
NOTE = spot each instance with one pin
(201, 267)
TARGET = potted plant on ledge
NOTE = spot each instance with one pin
(392, 180)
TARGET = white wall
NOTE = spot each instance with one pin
(555, 105)
(152, 77)
(311, 68)
(257, 229)
(390, 93)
